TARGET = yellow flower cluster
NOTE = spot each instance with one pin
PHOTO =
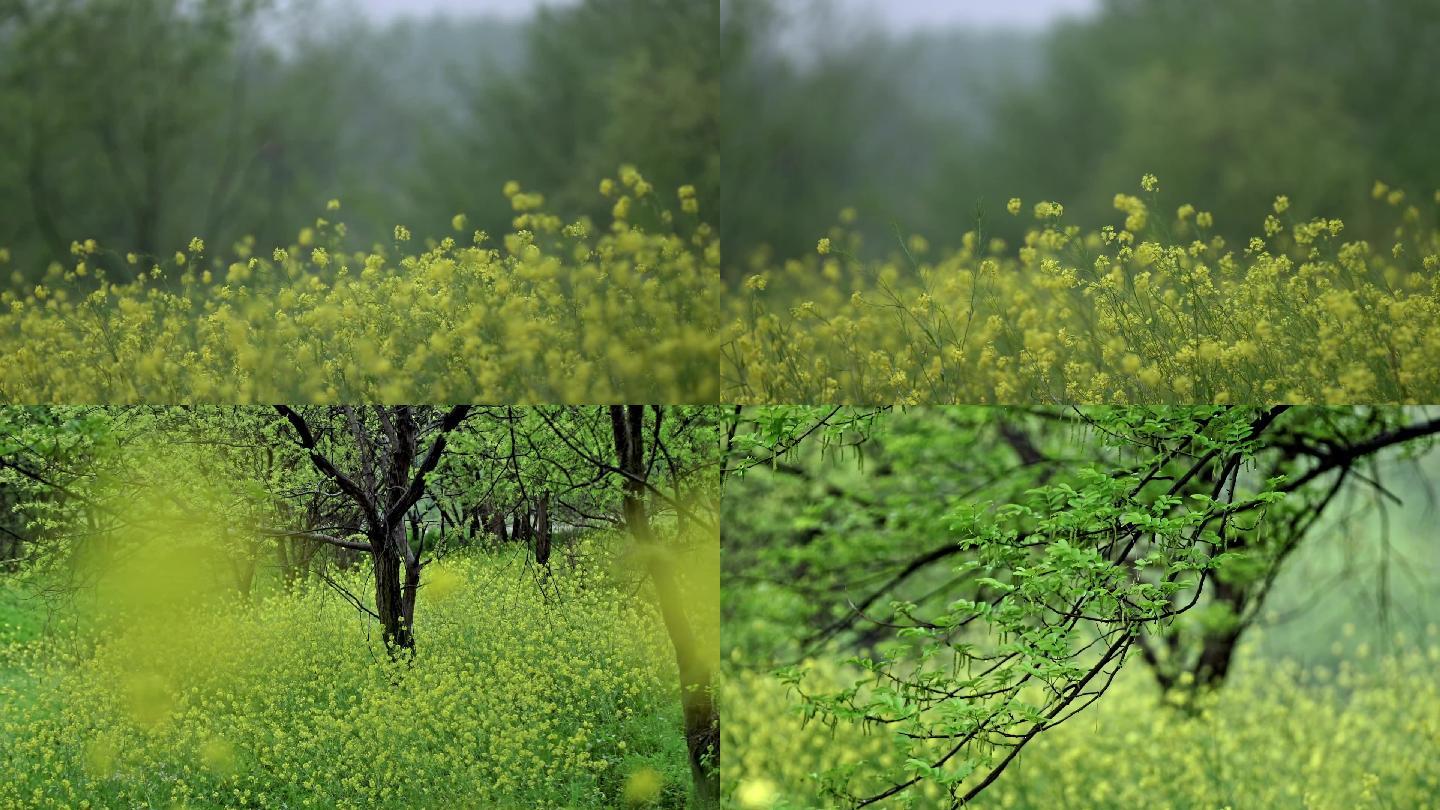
(553, 313)
(1159, 310)
(513, 700)
(1363, 733)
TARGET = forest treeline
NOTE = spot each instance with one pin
(143, 123)
(1230, 102)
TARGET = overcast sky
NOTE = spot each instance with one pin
(389, 9)
(905, 15)
(910, 15)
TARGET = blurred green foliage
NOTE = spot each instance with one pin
(602, 83)
(143, 123)
(1230, 103)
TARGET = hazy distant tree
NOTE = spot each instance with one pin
(143, 123)
(603, 82)
(116, 111)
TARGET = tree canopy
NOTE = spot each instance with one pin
(987, 572)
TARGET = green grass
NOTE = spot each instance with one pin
(22, 614)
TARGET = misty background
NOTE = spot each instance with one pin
(917, 112)
(143, 123)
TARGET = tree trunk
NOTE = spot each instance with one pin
(243, 567)
(497, 527)
(407, 599)
(390, 597)
(542, 529)
(1217, 651)
(1217, 646)
(697, 694)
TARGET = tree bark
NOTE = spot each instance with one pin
(1216, 652)
(542, 529)
(497, 527)
(394, 601)
(697, 694)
